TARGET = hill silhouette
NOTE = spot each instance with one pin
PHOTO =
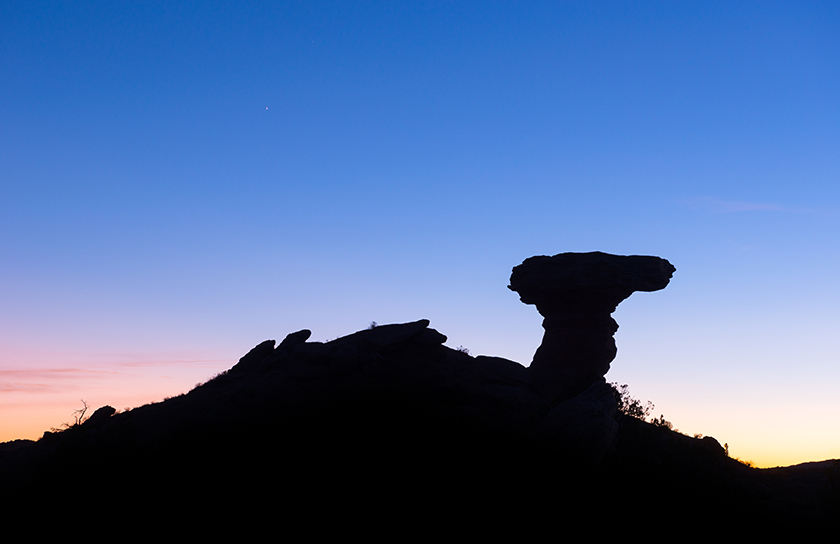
(390, 422)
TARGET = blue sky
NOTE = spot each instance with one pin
(180, 181)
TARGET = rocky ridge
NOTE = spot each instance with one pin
(395, 412)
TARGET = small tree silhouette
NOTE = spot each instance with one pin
(79, 415)
(78, 419)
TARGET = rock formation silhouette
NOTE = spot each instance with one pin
(388, 424)
(576, 293)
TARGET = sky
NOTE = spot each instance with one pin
(180, 181)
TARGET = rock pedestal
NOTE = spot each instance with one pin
(576, 293)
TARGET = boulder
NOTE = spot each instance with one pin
(100, 416)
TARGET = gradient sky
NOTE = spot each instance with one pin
(182, 180)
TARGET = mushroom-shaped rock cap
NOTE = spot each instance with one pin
(542, 279)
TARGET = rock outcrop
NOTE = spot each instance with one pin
(576, 293)
(389, 423)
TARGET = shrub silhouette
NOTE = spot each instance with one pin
(662, 422)
(628, 405)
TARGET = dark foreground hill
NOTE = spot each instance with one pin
(388, 428)
(388, 423)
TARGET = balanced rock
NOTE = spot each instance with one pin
(576, 293)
